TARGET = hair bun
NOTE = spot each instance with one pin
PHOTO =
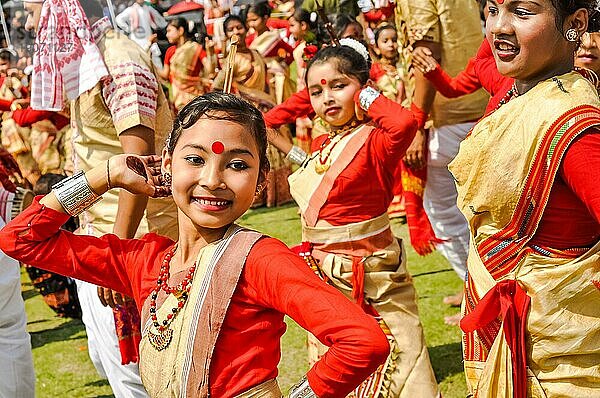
(356, 46)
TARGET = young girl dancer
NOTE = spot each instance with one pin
(212, 303)
(188, 65)
(343, 190)
(384, 71)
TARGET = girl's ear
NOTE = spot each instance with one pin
(304, 26)
(165, 166)
(377, 51)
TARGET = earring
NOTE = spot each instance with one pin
(571, 35)
(167, 178)
(259, 189)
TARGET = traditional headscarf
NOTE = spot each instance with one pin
(66, 58)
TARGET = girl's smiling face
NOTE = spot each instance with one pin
(332, 93)
(215, 169)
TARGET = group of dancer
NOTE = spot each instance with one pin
(212, 295)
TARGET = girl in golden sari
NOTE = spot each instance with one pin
(251, 82)
(188, 65)
(212, 303)
(276, 52)
(343, 190)
(527, 183)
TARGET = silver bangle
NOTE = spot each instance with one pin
(302, 390)
(367, 96)
(75, 194)
(296, 155)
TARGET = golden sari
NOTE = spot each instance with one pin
(250, 81)
(365, 262)
(184, 62)
(280, 83)
(532, 318)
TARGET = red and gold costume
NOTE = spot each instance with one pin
(343, 197)
(531, 313)
(273, 282)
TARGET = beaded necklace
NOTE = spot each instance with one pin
(162, 340)
(510, 94)
(323, 163)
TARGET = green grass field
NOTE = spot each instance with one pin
(64, 370)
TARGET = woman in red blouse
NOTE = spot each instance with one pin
(212, 303)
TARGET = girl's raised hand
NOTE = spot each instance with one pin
(422, 59)
(138, 175)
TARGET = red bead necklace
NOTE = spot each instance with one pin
(162, 340)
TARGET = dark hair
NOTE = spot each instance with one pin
(349, 61)
(594, 21)
(222, 106)
(381, 29)
(564, 8)
(262, 9)
(181, 23)
(8, 55)
(342, 21)
(230, 18)
(92, 8)
(320, 35)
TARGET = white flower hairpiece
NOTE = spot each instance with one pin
(356, 46)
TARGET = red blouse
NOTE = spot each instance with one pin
(28, 116)
(364, 189)
(274, 282)
(295, 107)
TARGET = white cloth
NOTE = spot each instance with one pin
(148, 18)
(17, 377)
(440, 195)
(103, 345)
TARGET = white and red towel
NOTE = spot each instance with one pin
(66, 58)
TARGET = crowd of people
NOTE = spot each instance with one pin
(145, 139)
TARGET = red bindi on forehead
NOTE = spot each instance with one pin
(323, 81)
(218, 147)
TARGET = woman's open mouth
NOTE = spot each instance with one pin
(505, 50)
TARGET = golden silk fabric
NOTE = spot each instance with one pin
(456, 25)
(186, 87)
(504, 171)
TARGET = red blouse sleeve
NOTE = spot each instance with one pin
(396, 129)
(466, 82)
(357, 345)
(295, 107)
(580, 170)
(34, 237)
(5, 105)
(26, 117)
(169, 54)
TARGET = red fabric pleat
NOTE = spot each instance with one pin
(510, 302)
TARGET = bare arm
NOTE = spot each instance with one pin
(137, 140)
(423, 98)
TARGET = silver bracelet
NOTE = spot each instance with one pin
(367, 96)
(296, 155)
(75, 194)
(302, 390)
